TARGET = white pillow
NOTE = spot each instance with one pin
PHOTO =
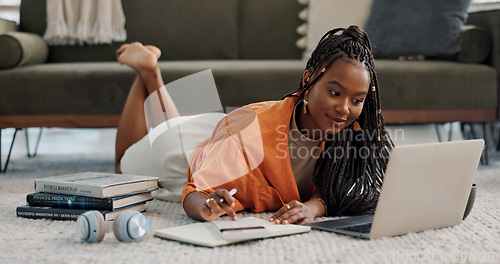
(324, 15)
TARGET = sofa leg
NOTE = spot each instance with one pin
(438, 133)
(4, 170)
(485, 153)
(473, 135)
(27, 142)
(450, 132)
(494, 132)
(484, 157)
(37, 143)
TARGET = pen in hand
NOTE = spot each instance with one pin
(231, 192)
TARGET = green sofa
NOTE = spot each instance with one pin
(250, 47)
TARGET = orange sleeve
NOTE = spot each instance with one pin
(190, 187)
(217, 163)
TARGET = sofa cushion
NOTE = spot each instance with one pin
(406, 85)
(101, 88)
(183, 30)
(267, 29)
(475, 46)
(409, 27)
(65, 88)
(19, 48)
(7, 25)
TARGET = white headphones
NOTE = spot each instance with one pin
(129, 226)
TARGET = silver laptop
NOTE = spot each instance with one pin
(425, 187)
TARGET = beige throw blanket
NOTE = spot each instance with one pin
(71, 22)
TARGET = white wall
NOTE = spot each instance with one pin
(9, 9)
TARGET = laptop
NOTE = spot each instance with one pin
(426, 186)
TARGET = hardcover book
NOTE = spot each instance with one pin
(97, 184)
(83, 202)
(52, 213)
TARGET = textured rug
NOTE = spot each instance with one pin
(475, 240)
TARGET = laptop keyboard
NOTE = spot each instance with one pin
(363, 228)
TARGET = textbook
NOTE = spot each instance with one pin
(52, 213)
(97, 184)
(206, 234)
(83, 202)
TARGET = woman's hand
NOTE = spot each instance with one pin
(296, 211)
(292, 212)
(213, 207)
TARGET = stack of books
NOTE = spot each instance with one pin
(66, 197)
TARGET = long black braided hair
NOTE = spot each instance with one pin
(349, 172)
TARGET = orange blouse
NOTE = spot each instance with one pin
(248, 150)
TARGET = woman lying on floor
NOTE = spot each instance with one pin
(334, 117)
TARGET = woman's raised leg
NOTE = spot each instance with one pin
(132, 124)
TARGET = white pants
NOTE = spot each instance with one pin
(165, 152)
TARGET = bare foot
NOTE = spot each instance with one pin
(138, 57)
(155, 50)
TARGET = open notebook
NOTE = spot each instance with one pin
(206, 234)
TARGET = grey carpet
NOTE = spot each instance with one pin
(476, 240)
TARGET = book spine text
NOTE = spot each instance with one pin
(69, 201)
(68, 188)
(49, 213)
